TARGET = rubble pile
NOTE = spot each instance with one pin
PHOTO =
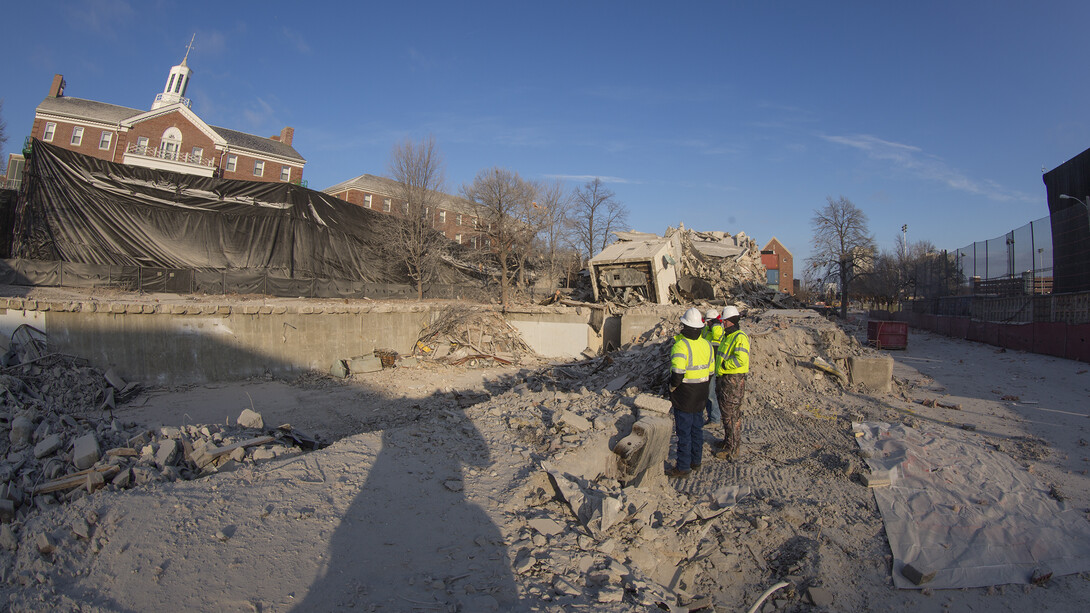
(582, 535)
(463, 335)
(59, 440)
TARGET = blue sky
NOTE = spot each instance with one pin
(732, 116)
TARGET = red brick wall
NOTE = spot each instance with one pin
(153, 129)
(450, 227)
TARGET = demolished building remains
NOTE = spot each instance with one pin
(681, 266)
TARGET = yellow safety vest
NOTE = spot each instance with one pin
(714, 333)
(692, 357)
(733, 355)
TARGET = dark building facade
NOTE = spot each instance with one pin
(1068, 188)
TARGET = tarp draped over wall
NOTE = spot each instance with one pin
(83, 210)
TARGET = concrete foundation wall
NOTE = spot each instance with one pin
(557, 335)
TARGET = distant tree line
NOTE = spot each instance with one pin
(534, 232)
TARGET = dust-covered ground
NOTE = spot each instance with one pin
(434, 498)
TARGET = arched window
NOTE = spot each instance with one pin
(171, 144)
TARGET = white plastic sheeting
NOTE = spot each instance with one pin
(957, 507)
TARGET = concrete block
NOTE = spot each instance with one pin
(575, 421)
(408, 362)
(85, 451)
(641, 454)
(44, 543)
(251, 419)
(7, 510)
(873, 374)
(364, 364)
(878, 478)
(21, 430)
(167, 453)
(47, 446)
(916, 575)
(338, 370)
(654, 404)
(7, 538)
(123, 479)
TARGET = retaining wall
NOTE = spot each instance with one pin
(171, 344)
(1063, 340)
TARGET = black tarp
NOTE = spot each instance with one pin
(178, 227)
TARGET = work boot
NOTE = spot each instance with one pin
(674, 473)
(695, 468)
(723, 454)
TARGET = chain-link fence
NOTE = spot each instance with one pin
(1026, 257)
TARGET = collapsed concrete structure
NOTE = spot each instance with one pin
(683, 265)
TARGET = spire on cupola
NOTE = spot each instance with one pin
(177, 82)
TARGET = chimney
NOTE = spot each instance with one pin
(56, 90)
(286, 135)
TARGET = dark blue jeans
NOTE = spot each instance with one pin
(689, 428)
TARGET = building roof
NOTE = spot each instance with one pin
(235, 138)
(91, 110)
(777, 241)
(87, 109)
(388, 187)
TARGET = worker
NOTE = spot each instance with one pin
(691, 365)
(731, 366)
(713, 331)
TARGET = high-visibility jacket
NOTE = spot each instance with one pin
(733, 355)
(713, 331)
(693, 358)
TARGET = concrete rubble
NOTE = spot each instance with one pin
(59, 441)
(592, 521)
(682, 266)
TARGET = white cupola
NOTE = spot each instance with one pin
(177, 82)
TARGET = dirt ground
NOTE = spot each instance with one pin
(432, 497)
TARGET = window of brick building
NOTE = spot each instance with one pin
(105, 140)
(232, 163)
(259, 168)
(458, 220)
(386, 205)
(458, 238)
(197, 155)
(405, 208)
(367, 200)
(442, 217)
(50, 130)
(285, 173)
(77, 136)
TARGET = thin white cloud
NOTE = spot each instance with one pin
(260, 116)
(104, 17)
(297, 41)
(913, 160)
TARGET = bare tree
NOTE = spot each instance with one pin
(842, 245)
(555, 203)
(596, 214)
(418, 170)
(501, 197)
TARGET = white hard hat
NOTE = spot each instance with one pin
(729, 312)
(692, 318)
(711, 314)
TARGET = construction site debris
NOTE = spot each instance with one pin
(683, 266)
(56, 434)
(465, 336)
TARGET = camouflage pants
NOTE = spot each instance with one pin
(730, 390)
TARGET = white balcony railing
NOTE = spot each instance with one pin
(174, 156)
(184, 101)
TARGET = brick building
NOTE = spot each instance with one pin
(170, 136)
(455, 217)
(780, 265)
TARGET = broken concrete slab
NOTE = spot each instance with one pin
(575, 421)
(364, 364)
(47, 446)
(642, 454)
(338, 369)
(85, 451)
(872, 373)
(654, 404)
(21, 430)
(250, 419)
